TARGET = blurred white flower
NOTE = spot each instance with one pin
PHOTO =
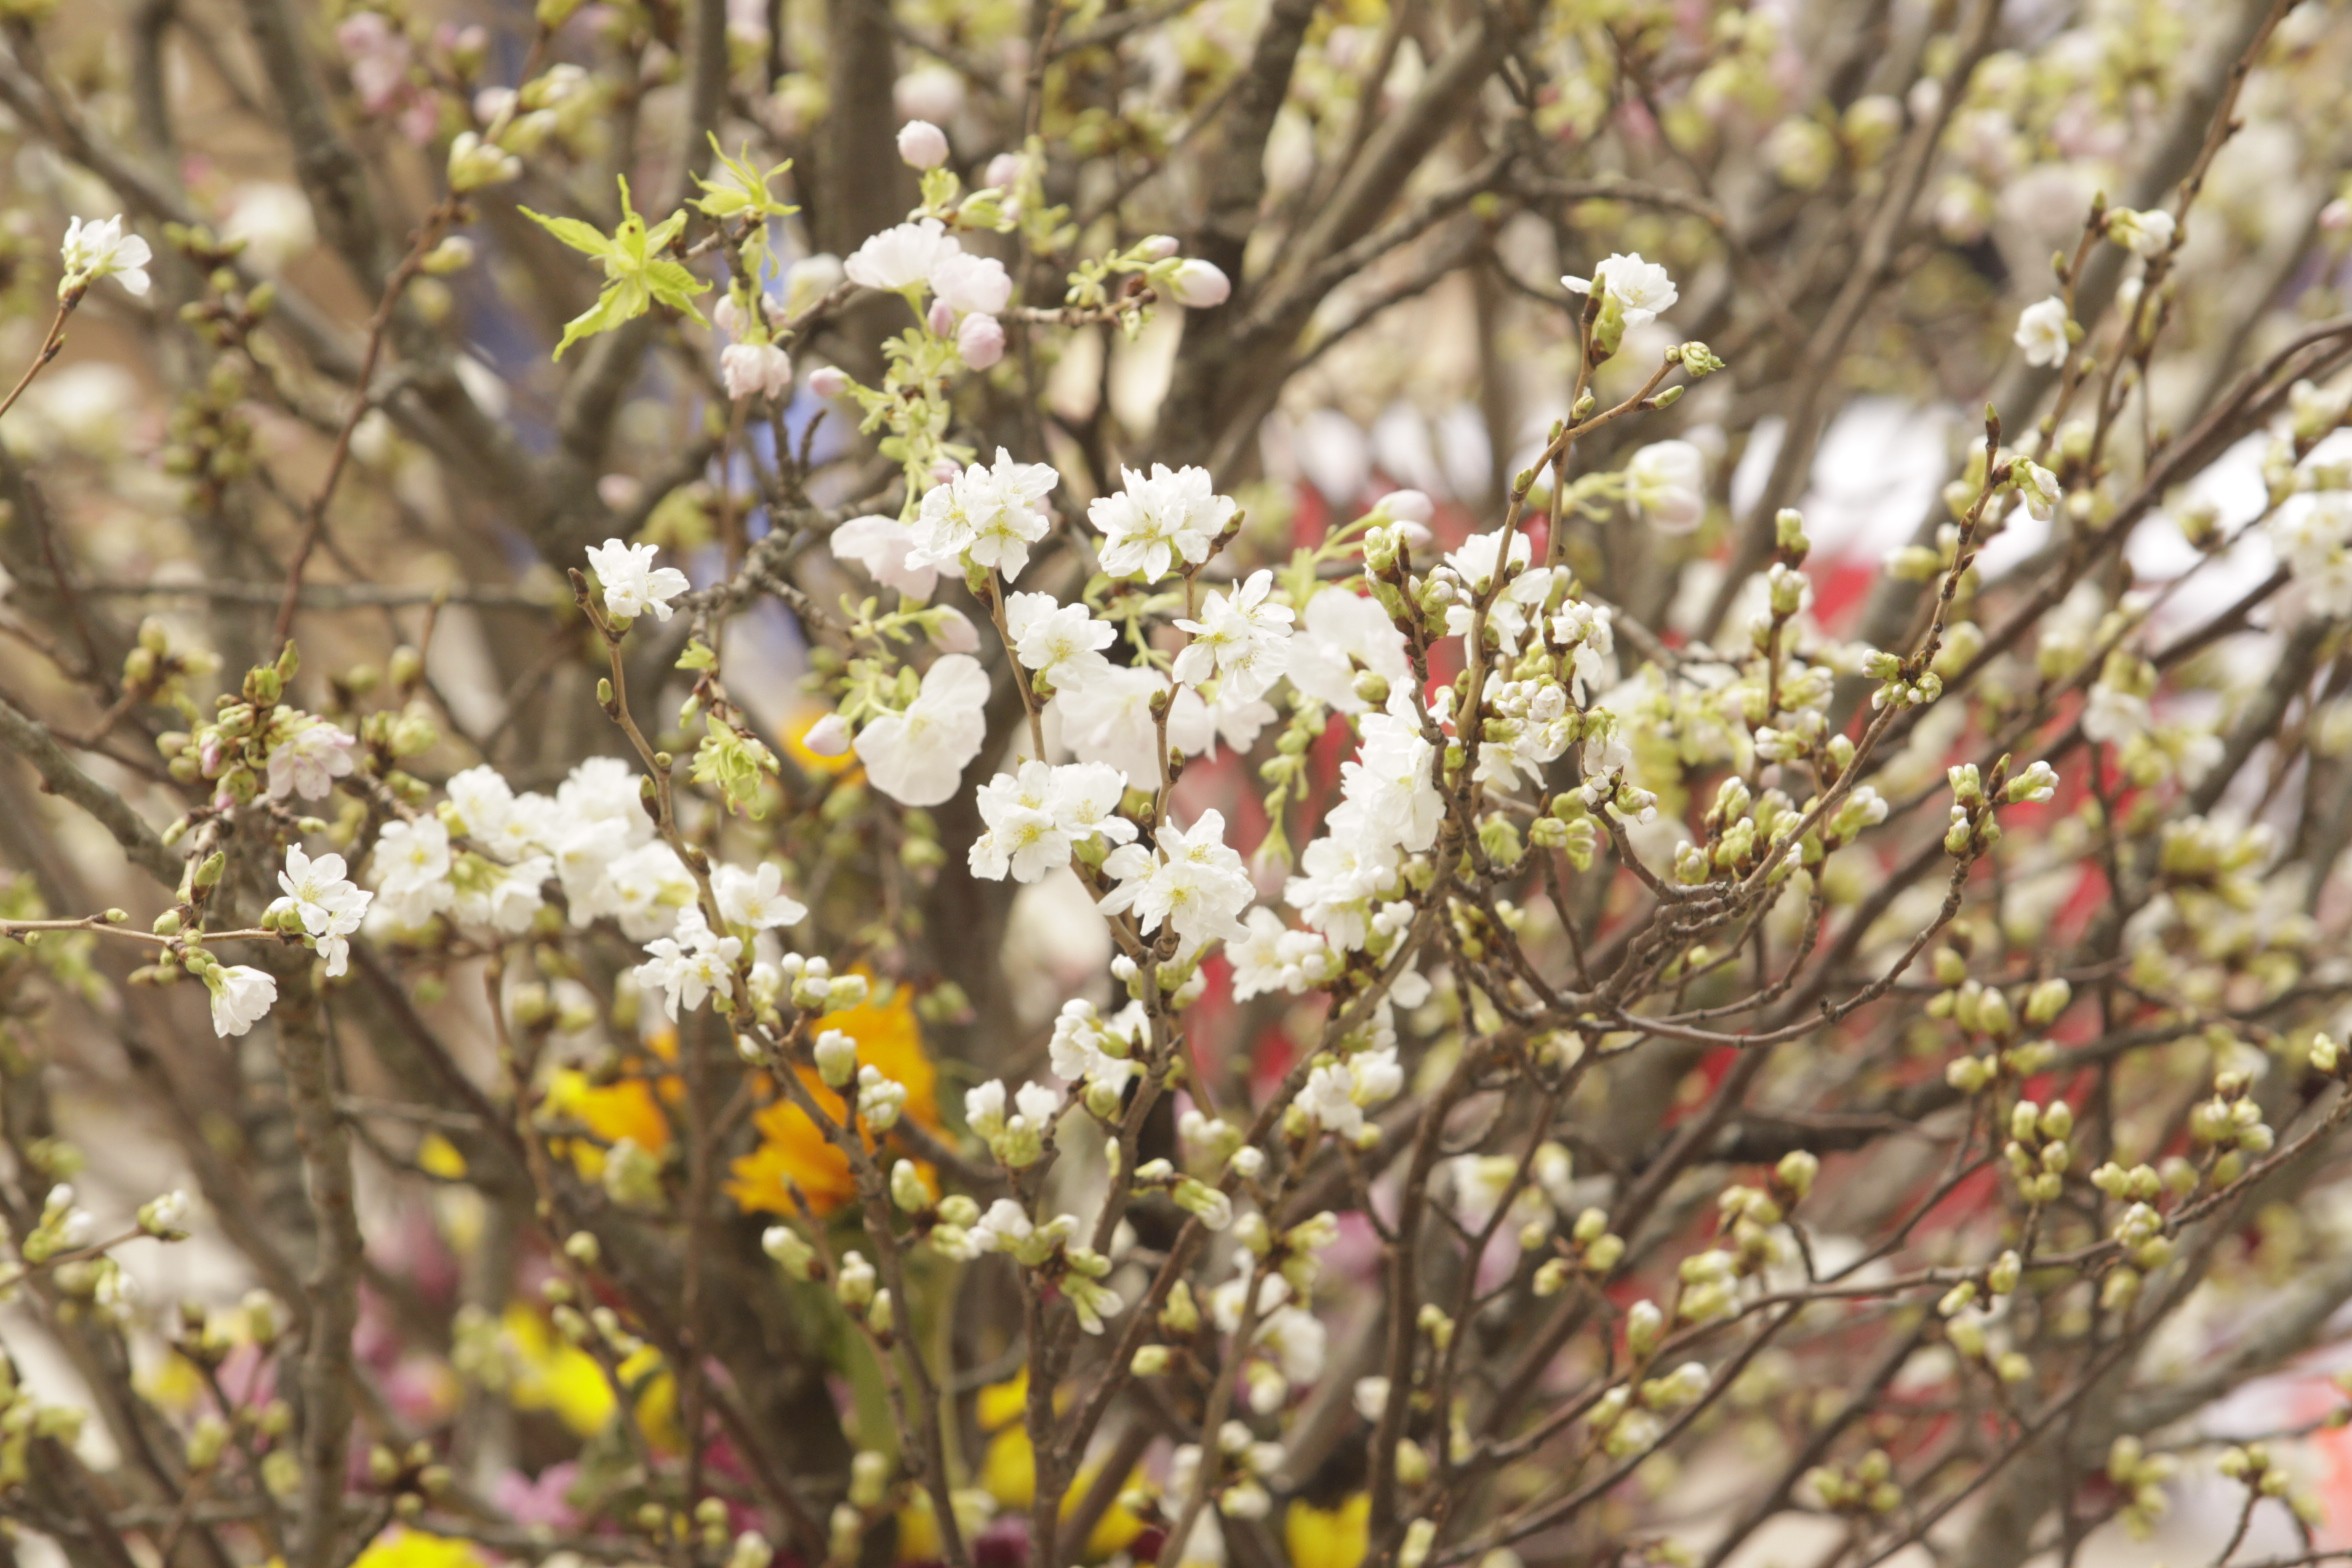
(272, 221)
(885, 547)
(1666, 484)
(1200, 285)
(966, 283)
(2041, 332)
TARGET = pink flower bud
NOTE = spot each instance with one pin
(944, 470)
(727, 316)
(922, 144)
(954, 632)
(981, 341)
(827, 381)
(1200, 285)
(828, 737)
(942, 317)
(1159, 247)
(1003, 172)
(753, 369)
(619, 491)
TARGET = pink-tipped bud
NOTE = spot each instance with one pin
(981, 341)
(753, 369)
(829, 736)
(1200, 285)
(954, 632)
(922, 144)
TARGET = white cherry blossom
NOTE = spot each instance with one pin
(986, 516)
(1243, 637)
(95, 249)
(916, 757)
(241, 997)
(901, 258)
(308, 758)
(1338, 1093)
(1340, 634)
(1152, 522)
(1034, 818)
(687, 968)
(1061, 642)
(1642, 289)
(1195, 884)
(633, 585)
(755, 898)
(2041, 333)
(972, 285)
(326, 904)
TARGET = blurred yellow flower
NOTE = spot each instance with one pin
(792, 1151)
(172, 1383)
(1328, 1537)
(628, 1108)
(565, 1380)
(398, 1547)
(1008, 1470)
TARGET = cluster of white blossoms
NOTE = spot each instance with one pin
(1152, 522)
(485, 859)
(688, 966)
(985, 517)
(967, 292)
(1339, 1093)
(325, 905)
(1036, 817)
(2310, 486)
(1190, 881)
(1432, 760)
(1455, 682)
